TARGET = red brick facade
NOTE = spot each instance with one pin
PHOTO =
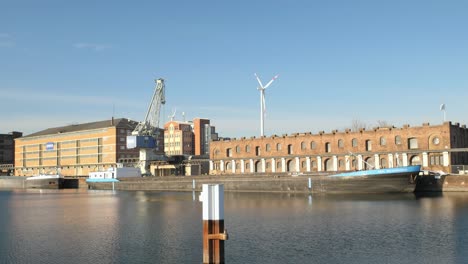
(433, 147)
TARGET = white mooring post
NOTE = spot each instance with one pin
(214, 234)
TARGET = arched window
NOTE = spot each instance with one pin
(340, 143)
(415, 160)
(397, 140)
(238, 149)
(383, 141)
(247, 149)
(412, 143)
(278, 164)
(368, 145)
(303, 145)
(327, 147)
(383, 163)
(340, 164)
(303, 164)
(354, 142)
(328, 165)
(267, 147)
(290, 149)
(313, 145)
(267, 165)
(278, 146)
(314, 164)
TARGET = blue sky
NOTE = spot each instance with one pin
(64, 62)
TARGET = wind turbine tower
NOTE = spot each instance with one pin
(262, 89)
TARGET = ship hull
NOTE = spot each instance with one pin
(45, 183)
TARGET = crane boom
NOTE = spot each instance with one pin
(149, 126)
(146, 133)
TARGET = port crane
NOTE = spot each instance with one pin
(146, 134)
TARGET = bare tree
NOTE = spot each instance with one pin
(356, 125)
(382, 123)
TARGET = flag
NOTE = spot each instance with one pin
(442, 107)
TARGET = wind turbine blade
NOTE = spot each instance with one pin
(258, 79)
(270, 82)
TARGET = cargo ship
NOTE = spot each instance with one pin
(390, 180)
(45, 181)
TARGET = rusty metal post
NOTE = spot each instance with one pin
(214, 234)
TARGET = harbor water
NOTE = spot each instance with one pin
(83, 226)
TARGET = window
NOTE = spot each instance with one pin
(340, 143)
(412, 143)
(267, 165)
(436, 159)
(340, 164)
(314, 164)
(229, 152)
(290, 149)
(313, 145)
(383, 163)
(278, 164)
(397, 140)
(238, 149)
(368, 145)
(415, 160)
(247, 149)
(267, 147)
(278, 146)
(257, 151)
(303, 164)
(327, 147)
(354, 142)
(383, 141)
(303, 145)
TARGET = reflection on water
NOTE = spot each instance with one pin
(81, 226)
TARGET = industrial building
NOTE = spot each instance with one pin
(189, 138)
(7, 152)
(439, 147)
(75, 150)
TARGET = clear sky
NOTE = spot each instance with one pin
(65, 62)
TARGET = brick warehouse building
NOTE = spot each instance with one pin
(75, 150)
(438, 147)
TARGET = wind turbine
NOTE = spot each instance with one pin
(262, 100)
(442, 108)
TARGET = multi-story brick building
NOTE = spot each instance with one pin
(75, 150)
(178, 138)
(188, 138)
(436, 147)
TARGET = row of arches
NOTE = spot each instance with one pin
(326, 164)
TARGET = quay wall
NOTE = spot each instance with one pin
(11, 182)
(456, 183)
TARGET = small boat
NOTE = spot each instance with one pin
(45, 181)
(389, 180)
(430, 181)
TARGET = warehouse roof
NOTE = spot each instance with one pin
(119, 122)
